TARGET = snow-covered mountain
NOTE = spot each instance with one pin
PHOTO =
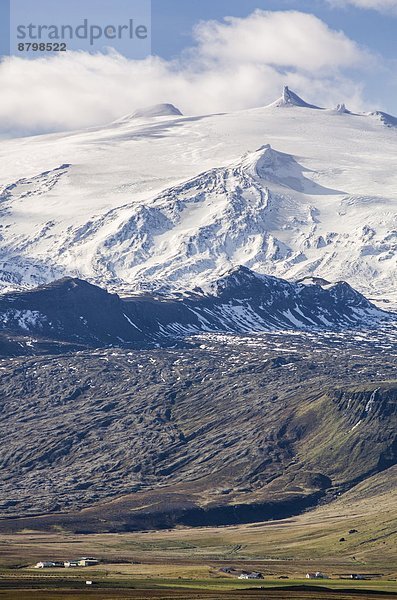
(161, 201)
(156, 110)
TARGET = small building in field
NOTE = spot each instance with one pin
(226, 570)
(45, 564)
(71, 564)
(88, 561)
(251, 576)
(316, 575)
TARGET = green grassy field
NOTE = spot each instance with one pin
(115, 584)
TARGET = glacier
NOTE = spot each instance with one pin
(162, 202)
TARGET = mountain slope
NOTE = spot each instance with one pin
(170, 202)
(214, 434)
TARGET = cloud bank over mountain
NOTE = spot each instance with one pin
(234, 64)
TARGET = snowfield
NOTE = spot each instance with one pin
(161, 201)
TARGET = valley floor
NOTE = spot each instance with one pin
(186, 563)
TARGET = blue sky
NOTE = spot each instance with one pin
(360, 68)
(173, 20)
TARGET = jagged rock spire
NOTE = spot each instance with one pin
(290, 98)
(286, 94)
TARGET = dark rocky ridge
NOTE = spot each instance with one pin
(72, 313)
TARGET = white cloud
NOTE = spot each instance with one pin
(282, 39)
(381, 5)
(235, 64)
